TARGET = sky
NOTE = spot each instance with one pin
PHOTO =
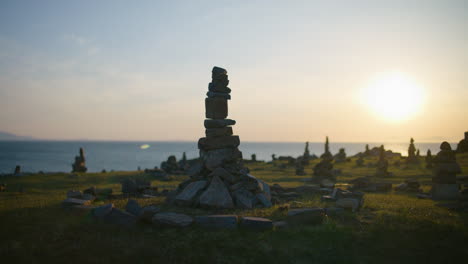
(139, 70)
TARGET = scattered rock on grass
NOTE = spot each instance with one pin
(172, 219)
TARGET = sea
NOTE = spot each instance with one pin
(58, 156)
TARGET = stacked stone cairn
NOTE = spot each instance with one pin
(444, 185)
(171, 166)
(428, 159)
(340, 157)
(306, 156)
(80, 163)
(382, 165)
(412, 157)
(324, 169)
(220, 180)
(463, 144)
(300, 167)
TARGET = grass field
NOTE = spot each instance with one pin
(390, 228)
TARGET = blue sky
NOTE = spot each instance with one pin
(125, 70)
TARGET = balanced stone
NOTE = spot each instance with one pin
(216, 158)
(218, 142)
(216, 108)
(218, 95)
(218, 88)
(218, 123)
(218, 132)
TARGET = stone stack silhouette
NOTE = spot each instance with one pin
(220, 180)
(80, 163)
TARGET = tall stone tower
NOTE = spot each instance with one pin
(220, 180)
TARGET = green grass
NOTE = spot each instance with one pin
(390, 228)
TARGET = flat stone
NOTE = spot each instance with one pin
(119, 217)
(348, 203)
(225, 96)
(243, 198)
(216, 71)
(133, 207)
(265, 189)
(441, 191)
(216, 108)
(172, 219)
(74, 201)
(306, 216)
(148, 212)
(216, 195)
(218, 87)
(223, 174)
(187, 196)
(218, 142)
(217, 221)
(256, 223)
(217, 123)
(218, 132)
(74, 194)
(103, 210)
(261, 197)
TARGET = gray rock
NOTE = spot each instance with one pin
(225, 96)
(243, 198)
(218, 123)
(148, 212)
(188, 194)
(219, 88)
(172, 219)
(348, 203)
(265, 189)
(88, 197)
(216, 71)
(256, 223)
(216, 158)
(74, 194)
(103, 210)
(216, 195)
(447, 191)
(218, 132)
(133, 207)
(265, 202)
(223, 174)
(306, 216)
(129, 186)
(217, 221)
(334, 211)
(195, 169)
(74, 201)
(119, 217)
(218, 142)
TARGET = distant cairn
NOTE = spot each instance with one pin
(220, 180)
(444, 182)
(80, 163)
(463, 144)
(412, 155)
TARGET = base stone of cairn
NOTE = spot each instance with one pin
(220, 179)
(444, 185)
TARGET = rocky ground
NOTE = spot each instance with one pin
(306, 224)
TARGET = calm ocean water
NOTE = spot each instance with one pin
(57, 156)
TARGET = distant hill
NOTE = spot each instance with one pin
(9, 136)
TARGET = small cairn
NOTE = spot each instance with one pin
(382, 164)
(367, 152)
(463, 144)
(253, 158)
(444, 182)
(80, 163)
(324, 169)
(429, 159)
(300, 167)
(221, 181)
(273, 157)
(327, 154)
(340, 157)
(17, 170)
(171, 166)
(412, 157)
(306, 156)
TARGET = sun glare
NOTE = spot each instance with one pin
(394, 96)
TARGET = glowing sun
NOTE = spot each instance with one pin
(394, 96)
